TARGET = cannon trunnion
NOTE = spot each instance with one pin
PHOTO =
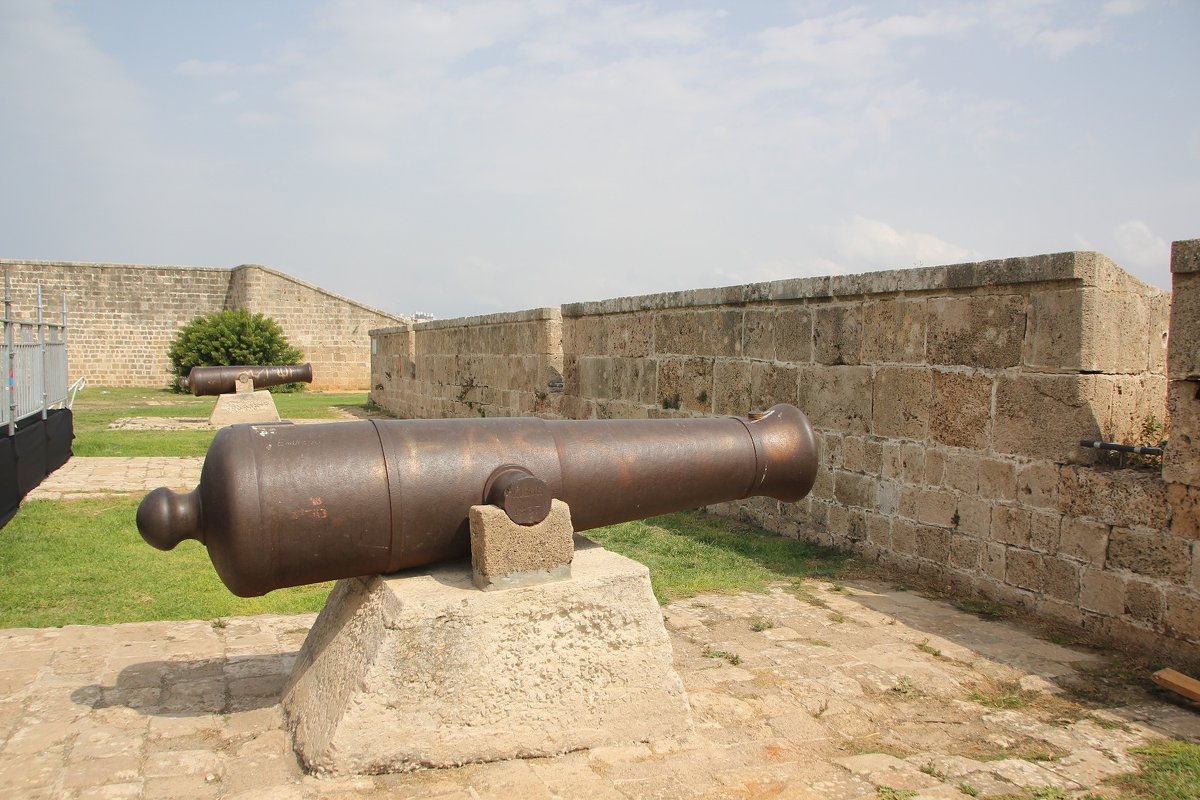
(285, 505)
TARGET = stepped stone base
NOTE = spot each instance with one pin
(421, 669)
(243, 407)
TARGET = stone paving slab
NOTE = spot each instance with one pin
(106, 476)
(867, 689)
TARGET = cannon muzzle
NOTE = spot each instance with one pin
(208, 381)
(285, 505)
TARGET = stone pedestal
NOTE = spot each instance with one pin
(252, 407)
(422, 669)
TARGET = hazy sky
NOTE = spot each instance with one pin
(465, 158)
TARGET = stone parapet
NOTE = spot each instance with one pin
(949, 403)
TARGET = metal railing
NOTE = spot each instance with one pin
(34, 354)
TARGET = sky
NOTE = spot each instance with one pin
(462, 158)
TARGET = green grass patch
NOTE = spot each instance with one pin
(83, 562)
(96, 408)
(1169, 770)
(693, 553)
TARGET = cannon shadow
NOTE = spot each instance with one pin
(196, 687)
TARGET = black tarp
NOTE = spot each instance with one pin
(36, 449)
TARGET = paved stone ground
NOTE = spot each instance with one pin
(823, 692)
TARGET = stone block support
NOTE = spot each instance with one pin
(421, 669)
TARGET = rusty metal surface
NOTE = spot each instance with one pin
(208, 381)
(282, 505)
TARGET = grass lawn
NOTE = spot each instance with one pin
(83, 562)
(692, 553)
(97, 407)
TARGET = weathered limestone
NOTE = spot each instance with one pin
(506, 555)
(949, 403)
(422, 669)
(248, 407)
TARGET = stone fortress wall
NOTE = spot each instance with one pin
(123, 317)
(949, 404)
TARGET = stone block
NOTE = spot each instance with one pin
(960, 409)
(837, 335)
(772, 383)
(758, 334)
(634, 380)
(1025, 569)
(1185, 510)
(1144, 602)
(731, 387)
(685, 384)
(893, 331)
(421, 669)
(698, 333)
(981, 331)
(1183, 614)
(936, 507)
(595, 377)
(933, 543)
(1083, 540)
(997, 479)
(1062, 579)
(974, 517)
(935, 467)
(961, 471)
(626, 336)
(904, 536)
(994, 560)
(853, 489)
(1138, 402)
(1181, 461)
(1150, 553)
(1089, 329)
(1117, 497)
(1037, 484)
(794, 335)
(836, 398)
(965, 552)
(1183, 358)
(904, 462)
(1044, 529)
(1010, 525)
(1045, 416)
(506, 555)
(1102, 592)
(862, 455)
(901, 402)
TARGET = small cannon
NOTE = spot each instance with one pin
(209, 381)
(283, 505)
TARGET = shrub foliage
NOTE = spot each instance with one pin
(228, 337)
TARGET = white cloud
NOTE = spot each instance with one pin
(1123, 8)
(866, 244)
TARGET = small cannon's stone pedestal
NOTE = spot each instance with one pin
(246, 405)
(422, 669)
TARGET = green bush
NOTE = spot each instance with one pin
(232, 336)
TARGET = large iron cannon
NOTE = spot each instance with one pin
(285, 505)
(208, 381)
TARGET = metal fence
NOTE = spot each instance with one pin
(35, 357)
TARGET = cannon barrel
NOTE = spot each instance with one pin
(285, 505)
(208, 381)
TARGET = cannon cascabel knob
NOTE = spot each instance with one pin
(165, 518)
